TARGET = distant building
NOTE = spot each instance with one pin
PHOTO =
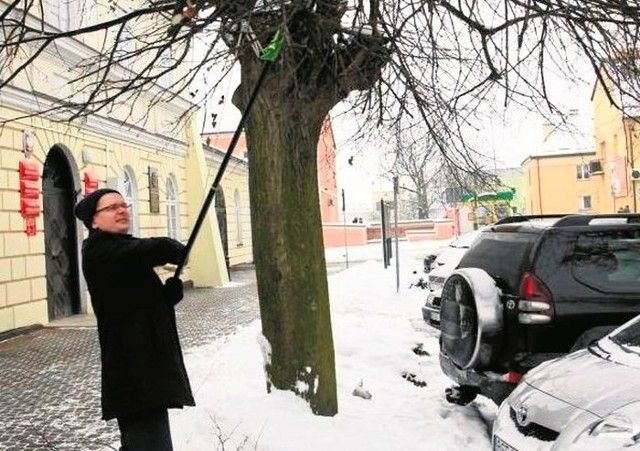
(327, 178)
(597, 173)
(617, 137)
(238, 216)
(560, 183)
(143, 146)
(232, 198)
(513, 178)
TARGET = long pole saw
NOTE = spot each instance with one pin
(268, 55)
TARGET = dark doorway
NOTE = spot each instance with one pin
(60, 238)
(221, 214)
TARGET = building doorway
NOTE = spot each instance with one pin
(60, 235)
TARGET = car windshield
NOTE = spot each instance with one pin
(628, 336)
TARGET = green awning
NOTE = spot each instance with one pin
(504, 194)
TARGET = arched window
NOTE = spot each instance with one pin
(129, 189)
(238, 216)
(173, 215)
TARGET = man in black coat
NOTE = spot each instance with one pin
(143, 372)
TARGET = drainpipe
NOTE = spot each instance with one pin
(539, 190)
(107, 160)
(632, 162)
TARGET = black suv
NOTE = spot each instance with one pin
(534, 288)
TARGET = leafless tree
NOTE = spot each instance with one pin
(413, 156)
(441, 64)
(416, 164)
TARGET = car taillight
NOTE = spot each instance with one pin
(512, 377)
(536, 303)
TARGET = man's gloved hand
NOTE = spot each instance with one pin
(173, 290)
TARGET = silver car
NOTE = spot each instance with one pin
(441, 268)
(587, 400)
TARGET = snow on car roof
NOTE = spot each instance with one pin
(465, 239)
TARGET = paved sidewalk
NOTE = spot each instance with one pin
(50, 378)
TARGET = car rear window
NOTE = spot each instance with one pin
(608, 260)
(502, 255)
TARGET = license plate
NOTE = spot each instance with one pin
(435, 316)
(501, 445)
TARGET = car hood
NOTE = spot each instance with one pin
(588, 382)
(450, 257)
(443, 271)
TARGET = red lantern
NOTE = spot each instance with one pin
(29, 194)
(91, 183)
(29, 189)
(29, 170)
(30, 226)
(29, 207)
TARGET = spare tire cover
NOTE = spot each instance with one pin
(470, 318)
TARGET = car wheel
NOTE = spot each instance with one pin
(470, 318)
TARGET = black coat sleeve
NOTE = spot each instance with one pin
(125, 250)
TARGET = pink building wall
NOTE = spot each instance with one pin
(336, 234)
(327, 182)
(222, 140)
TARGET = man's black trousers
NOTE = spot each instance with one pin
(145, 431)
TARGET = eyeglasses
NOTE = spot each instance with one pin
(113, 207)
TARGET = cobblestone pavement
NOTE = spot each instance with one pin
(50, 378)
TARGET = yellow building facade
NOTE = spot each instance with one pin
(145, 147)
(616, 144)
(604, 180)
(561, 183)
(231, 204)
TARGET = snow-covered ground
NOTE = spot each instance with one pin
(408, 251)
(376, 331)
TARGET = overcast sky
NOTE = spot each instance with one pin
(508, 138)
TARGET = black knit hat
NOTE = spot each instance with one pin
(86, 208)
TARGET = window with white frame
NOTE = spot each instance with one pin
(584, 203)
(582, 171)
(173, 215)
(129, 189)
(166, 61)
(238, 216)
(58, 13)
(127, 40)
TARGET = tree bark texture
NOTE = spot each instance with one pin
(282, 135)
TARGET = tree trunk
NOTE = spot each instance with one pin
(282, 136)
(423, 202)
